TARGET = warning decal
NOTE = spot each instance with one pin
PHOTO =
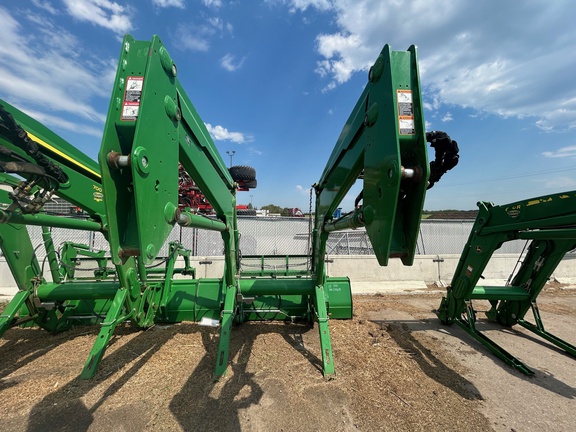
(405, 112)
(131, 103)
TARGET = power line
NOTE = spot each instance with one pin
(441, 185)
(510, 192)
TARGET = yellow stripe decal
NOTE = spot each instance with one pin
(59, 153)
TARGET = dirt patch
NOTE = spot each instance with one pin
(397, 368)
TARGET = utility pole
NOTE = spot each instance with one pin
(231, 153)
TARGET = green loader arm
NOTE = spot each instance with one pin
(131, 196)
(384, 142)
(24, 140)
(549, 224)
(47, 165)
(151, 126)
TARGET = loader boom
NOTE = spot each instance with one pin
(548, 223)
(131, 197)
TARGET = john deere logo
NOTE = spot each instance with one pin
(98, 196)
(479, 249)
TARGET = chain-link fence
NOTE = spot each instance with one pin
(288, 236)
(436, 237)
(439, 237)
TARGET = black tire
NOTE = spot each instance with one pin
(246, 212)
(242, 173)
(251, 184)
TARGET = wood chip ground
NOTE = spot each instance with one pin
(394, 373)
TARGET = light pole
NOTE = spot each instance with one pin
(231, 153)
(251, 196)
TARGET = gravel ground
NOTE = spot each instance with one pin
(398, 369)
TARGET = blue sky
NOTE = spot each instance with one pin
(275, 81)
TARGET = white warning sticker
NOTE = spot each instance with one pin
(406, 126)
(130, 112)
(132, 96)
(405, 112)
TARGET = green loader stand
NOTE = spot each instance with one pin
(548, 224)
(131, 197)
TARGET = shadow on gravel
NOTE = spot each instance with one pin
(23, 346)
(63, 410)
(203, 404)
(293, 335)
(542, 378)
(518, 331)
(402, 333)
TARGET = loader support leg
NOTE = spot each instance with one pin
(539, 330)
(226, 328)
(11, 310)
(113, 318)
(469, 326)
(325, 342)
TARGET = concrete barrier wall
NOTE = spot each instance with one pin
(433, 268)
(6, 279)
(365, 268)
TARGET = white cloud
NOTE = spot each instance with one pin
(229, 62)
(169, 3)
(255, 151)
(61, 123)
(192, 42)
(563, 152)
(212, 3)
(42, 70)
(42, 92)
(197, 37)
(219, 133)
(216, 22)
(512, 63)
(563, 183)
(52, 36)
(337, 65)
(103, 13)
(302, 5)
(46, 5)
(302, 190)
(447, 117)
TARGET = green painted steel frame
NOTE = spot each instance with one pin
(384, 135)
(83, 188)
(374, 143)
(132, 197)
(549, 223)
(152, 123)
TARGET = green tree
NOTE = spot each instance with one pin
(272, 208)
